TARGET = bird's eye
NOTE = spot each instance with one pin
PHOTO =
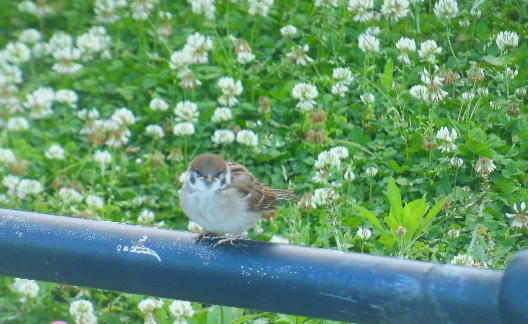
(198, 173)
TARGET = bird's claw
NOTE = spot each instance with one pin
(231, 238)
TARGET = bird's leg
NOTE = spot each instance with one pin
(231, 238)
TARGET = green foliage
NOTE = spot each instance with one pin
(405, 224)
(396, 145)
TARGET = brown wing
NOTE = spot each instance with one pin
(260, 197)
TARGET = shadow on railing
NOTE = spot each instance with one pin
(258, 275)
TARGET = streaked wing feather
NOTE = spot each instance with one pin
(260, 197)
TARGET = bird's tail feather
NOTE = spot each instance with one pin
(285, 195)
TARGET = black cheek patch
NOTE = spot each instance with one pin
(192, 179)
(223, 182)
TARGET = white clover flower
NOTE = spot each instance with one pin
(124, 117)
(10, 74)
(485, 166)
(118, 134)
(158, 104)
(340, 151)
(511, 73)
(447, 138)
(150, 305)
(94, 202)
(179, 60)
(83, 312)
(325, 196)
(364, 233)
(453, 233)
(247, 137)
(180, 309)
(298, 55)
(29, 36)
(146, 216)
(11, 182)
(7, 156)
(183, 129)
(141, 9)
(188, 79)
(463, 259)
(367, 98)
(197, 47)
(288, 31)
(482, 91)
(446, 9)
(229, 89)
(93, 42)
(349, 176)
(28, 187)
(155, 131)
(326, 3)
(39, 102)
(343, 75)
(27, 6)
(194, 227)
(520, 218)
(306, 94)
(362, 9)
(520, 92)
(395, 9)
(419, 92)
(223, 136)
(25, 287)
(329, 159)
(371, 171)
(373, 30)
(186, 111)
(321, 176)
(339, 89)
(60, 40)
(279, 239)
(245, 57)
(41, 10)
(55, 152)
(184, 177)
(406, 46)
(368, 43)
(17, 124)
(468, 96)
(70, 196)
(106, 10)
(428, 51)
(507, 39)
(464, 22)
(203, 7)
(67, 97)
(456, 162)
(17, 53)
(259, 7)
(222, 114)
(102, 157)
(66, 58)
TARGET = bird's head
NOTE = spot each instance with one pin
(208, 172)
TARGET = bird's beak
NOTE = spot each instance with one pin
(209, 178)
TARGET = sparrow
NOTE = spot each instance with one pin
(225, 198)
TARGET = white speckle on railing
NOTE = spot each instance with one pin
(140, 248)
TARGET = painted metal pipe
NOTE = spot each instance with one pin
(257, 275)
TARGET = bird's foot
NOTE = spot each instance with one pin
(200, 235)
(232, 237)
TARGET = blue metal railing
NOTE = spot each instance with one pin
(258, 275)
